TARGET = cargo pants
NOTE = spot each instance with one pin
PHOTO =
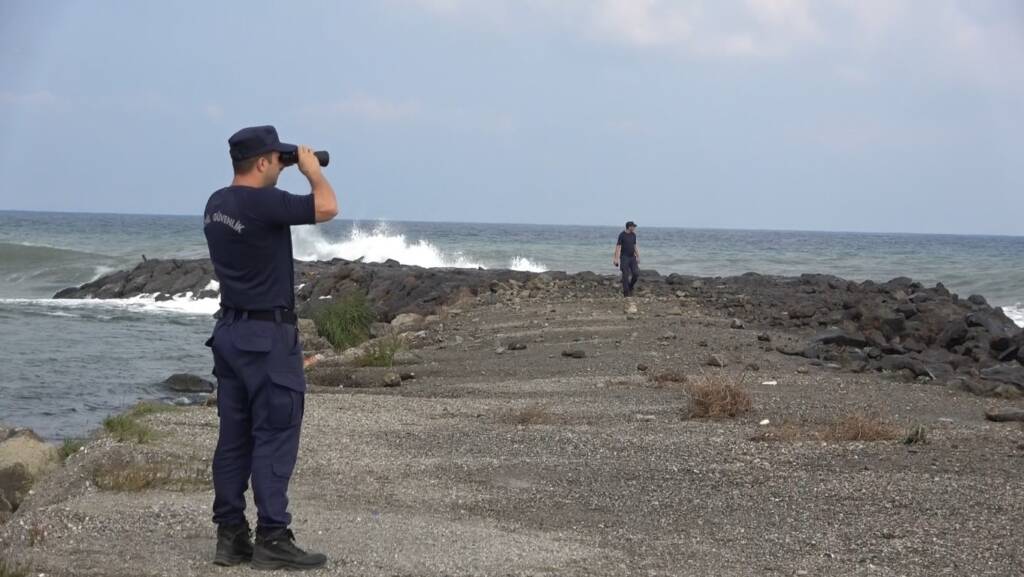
(260, 403)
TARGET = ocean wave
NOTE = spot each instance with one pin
(377, 245)
(524, 264)
(1015, 312)
(19, 251)
(381, 244)
(180, 304)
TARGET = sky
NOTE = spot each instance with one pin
(852, 115)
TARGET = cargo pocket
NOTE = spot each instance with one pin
(287, 399)
(253, 337)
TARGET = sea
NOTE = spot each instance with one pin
(67, 364)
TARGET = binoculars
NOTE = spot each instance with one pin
(290, 158)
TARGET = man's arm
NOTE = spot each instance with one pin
(615, 257)
(325, 202)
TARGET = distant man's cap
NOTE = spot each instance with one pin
(256, 140)
(630, 223)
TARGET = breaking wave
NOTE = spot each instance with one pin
(381, 243)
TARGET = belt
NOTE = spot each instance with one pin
(276, 315)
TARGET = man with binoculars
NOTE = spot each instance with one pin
(257, 355)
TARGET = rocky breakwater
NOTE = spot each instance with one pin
(899, 326)
(393, 288)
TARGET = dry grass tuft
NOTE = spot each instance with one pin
(861, 427)
(916, 435)
(712, 397)
(531, 415)
(858, 427)
(139, 476)
(786, 431)
(9, 568)
(670, 377)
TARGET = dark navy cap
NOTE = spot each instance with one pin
(630, 223)
(256, 140)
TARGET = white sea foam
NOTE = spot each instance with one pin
(180, 304)
(1015, 312)
(377, 245)
(212, 286)
(524, 264)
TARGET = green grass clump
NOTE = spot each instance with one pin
(381, 352)
(70, 447)
(126, 427)
(346, 322)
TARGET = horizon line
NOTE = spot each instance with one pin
(639, 228)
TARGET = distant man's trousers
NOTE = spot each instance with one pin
(630, 273)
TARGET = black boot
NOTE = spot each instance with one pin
(234, 544)
(277, 550)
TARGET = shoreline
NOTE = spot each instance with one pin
(171, 284)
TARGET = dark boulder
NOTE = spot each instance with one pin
(839, 337)
(186, 383)
(954, 334)
(1005, 374)
(897, 363)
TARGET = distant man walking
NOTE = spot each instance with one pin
(627, 258)
(257, 356)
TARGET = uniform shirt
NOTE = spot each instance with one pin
(628, 242)
(247, 231)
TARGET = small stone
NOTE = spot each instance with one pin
(516, 346)
(392, 379)
(407, 376)
(765, 422)
(752, 367)
(764, 337)
(802, 370)
(645, 418)
(499, 350)
(574, 353)
(736, 324)
(702, 343)
(642, 367)
(716, 361)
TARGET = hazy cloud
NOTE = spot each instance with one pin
(213, 111)
(942, 37)
(38, 98)
(374, 110)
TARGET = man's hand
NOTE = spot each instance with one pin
(615, 262)
(309, 166)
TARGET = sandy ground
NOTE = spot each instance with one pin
(530, 463)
